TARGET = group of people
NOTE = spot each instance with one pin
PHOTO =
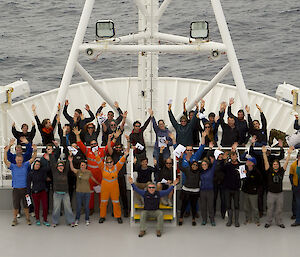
(87, 167)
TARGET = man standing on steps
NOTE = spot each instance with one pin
(151, 205)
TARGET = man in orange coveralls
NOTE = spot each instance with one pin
(110, 185)
(92, 164)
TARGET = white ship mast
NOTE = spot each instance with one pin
(146, 44)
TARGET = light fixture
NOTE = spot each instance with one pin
(199, 30)
(105, 29)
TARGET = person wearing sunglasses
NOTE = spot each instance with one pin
(60, 191)
(110, 185)
(165, 173)
(151, 207)
(92, 164)
(110, 118)
(90, 133)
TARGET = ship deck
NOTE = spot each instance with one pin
(113, 239)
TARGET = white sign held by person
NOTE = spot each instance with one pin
(241, 170)
(73, 150)
(179, 150)
(97, 189)
(28, 200)
(139, 146)
(101, 119)
(162, 141)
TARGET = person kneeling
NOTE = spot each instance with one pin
(151, 205)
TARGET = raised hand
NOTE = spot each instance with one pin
(24, 140)
(264, 149)
(14, 124)
(58, 118)
(234, 146)
(150, 112)
(87, 107)
(58, 107)
(296, 116)
(33, 108)
(247, 108)
(76, 131)
(11, 142)
(124, 115)
(117, 133)
(55, 143)
(258, 107)
(231, 101)
(66, 102)
(70, 157)
(290, 150)
(185, 100)
(202, 103)
(116, 104)
(253, 139)
(34, 147)
(176, 181)
(32, 123)
(130, 180)
(103, 104)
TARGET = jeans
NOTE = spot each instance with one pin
(80, 199)
(296, 191)
(57, 199)
(189, 197)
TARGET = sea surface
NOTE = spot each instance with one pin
(36, 37)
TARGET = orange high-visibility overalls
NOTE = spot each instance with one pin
(110, 187)
(92, 165)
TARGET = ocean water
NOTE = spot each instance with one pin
(36, 37)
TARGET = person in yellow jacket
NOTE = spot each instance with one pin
(294, 178)
(110, 185)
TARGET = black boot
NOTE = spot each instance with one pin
(229, 222)
(236, 218)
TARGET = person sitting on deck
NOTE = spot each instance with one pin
(19, 182)
(151, 207)
(184, 130)
(254, 127)
(46, 128)
(240, 123)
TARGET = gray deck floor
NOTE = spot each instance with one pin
(112, 239)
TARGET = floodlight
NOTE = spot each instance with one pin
(199, 30)
(105, 29)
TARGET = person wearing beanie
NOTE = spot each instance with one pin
(250, 186)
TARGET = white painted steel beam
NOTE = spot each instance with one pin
(163, 7)
(73, 56)
(203, 47)
(87, 77)
(128, 38)
(142, 8)
(174, 38)
(232, 58)
(220, 75)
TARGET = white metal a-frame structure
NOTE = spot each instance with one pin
(146, 45)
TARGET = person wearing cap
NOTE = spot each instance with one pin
(240, 123)
(294, 179)
(250, 186)
(275, 175)
(230, 133)
(184, 130)
(151, 205)
(218, 182)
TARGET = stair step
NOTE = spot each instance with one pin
(161, 206)
(166, 217)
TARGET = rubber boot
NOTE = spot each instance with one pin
(236, 218)
(229, 222)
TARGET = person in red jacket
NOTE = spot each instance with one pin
(92, 164)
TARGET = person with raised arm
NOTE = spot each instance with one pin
(78, 119)
(230, 133)
(26, 156)
(83, 191)
(60, 191)
(90, 133)
(29, 135)
(92, 164)
(110, 117)
(240, 123)
(19, 173)
(184, 130)
(151, 207)
(275, 175)
(197, 131)
(254, 127)
(294, 179)
(46, 128)
(137, 138)
(162, 138)
(109, 184)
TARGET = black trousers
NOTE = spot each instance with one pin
(186, 197)
(123, 192)
(260, 198)
(219, 189)
(232, 196)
